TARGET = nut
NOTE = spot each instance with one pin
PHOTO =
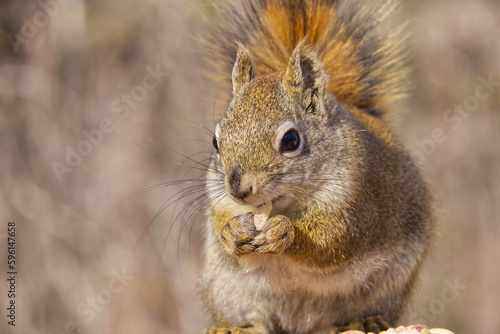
(262, 214)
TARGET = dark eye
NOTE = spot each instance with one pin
(214, 142)
(290, 141)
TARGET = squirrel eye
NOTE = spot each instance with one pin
(290, 141)
(214, 142)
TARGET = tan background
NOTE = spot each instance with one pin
(81, 266)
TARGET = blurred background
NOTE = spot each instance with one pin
(101, 111)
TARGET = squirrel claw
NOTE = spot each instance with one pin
(276, 237)
(238, 233)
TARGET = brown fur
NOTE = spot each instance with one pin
(350, 221)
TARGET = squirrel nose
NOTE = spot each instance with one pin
(238, 189)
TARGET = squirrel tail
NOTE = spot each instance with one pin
(363, 52)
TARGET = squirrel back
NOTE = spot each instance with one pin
(363, 53)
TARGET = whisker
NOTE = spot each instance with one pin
(144, 191)
(196, 140)
(174, 220)
(223, 195)
(188, 213)
(197, 125)
(204, 167)
(188, 170)
(170, 201)
(189, 210)
(187, 205)
(316, 187)
(290, 194)
(201, 203)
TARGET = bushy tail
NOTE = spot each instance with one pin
(363, 52)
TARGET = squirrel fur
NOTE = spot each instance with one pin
(313, 84)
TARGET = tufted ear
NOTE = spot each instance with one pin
(242, 70)
(306, 79)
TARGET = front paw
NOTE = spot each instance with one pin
(237, 234)
(276, 236)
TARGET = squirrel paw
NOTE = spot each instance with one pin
(237, 235)
(233, 330)
(276, 236)
(373, 324)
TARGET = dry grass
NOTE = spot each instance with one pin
(77, 232)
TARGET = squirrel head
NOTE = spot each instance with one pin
(269, 142)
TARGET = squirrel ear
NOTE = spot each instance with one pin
(242, 70)
(293, 74)
(306, 78)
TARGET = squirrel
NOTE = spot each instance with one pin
(318, 221)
